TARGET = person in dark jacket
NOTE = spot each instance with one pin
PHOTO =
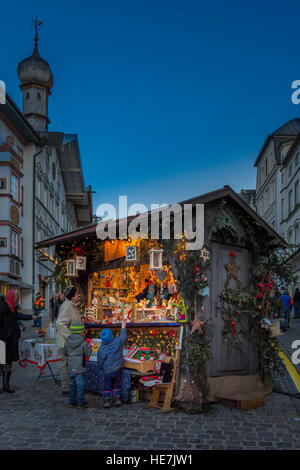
(55, 303)
(75, 350)
(110, 360)
(296, 300)
(10, 334)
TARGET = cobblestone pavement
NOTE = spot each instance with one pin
(37, 417)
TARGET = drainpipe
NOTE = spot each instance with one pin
(33, 223)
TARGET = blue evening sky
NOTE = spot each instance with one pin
(170, 98)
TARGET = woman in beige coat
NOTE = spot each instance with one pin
(68, 313)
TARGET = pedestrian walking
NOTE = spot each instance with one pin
(110, 360)
(10, 334)
(296, 300)
(275, 304)
(286, 304)
(68, 314)
(76, 349)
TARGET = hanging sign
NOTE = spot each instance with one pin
(131, 253)
(81, 262)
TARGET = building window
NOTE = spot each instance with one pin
(51, 204)
(282, 209)
(57, 212)
(14, 187)
(282, 179)
(2, 183)
(297, 159)
(27, 95)
(3, 242)
(290, 201)
(46, 197)
(14, 243)
(290, 169)
(266, 167)
(297, 234)
(296, 192)
(39, 96)
(290, 237)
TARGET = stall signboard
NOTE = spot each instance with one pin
(131, 253)
(114, 249)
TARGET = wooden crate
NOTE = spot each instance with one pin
(242, 401)
(142, 367)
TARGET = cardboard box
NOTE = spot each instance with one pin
(134, 395)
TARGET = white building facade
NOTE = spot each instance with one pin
(277, 183)
(17, 141)
(42, 189)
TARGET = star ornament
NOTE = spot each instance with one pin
(197, 325)
(232, 269)
(204, 254)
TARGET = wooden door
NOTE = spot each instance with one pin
(226, 360)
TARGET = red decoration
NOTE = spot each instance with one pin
(232, 253)
(172, 333)
(79, 251)
(233, 328)
(154, 332)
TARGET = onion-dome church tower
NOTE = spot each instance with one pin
(36, 82)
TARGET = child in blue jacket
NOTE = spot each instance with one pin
(110, 360)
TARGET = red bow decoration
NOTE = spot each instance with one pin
(79, 251)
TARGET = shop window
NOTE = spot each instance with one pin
(3, 289)
(2, 183)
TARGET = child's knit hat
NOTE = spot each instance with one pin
(77, 327)
(106, 335)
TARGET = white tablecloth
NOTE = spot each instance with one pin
(38, 353)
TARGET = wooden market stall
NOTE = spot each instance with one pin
(142, 281)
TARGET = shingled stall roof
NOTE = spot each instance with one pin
(226, 191)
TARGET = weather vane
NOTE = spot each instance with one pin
(37, 25)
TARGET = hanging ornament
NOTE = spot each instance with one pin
(197, 324)
(232, 268)
(204, 254)
(156, 259)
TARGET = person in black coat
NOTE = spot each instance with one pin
(55, 304)
(10, 334)
(296, 300)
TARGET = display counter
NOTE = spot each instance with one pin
(161, 338)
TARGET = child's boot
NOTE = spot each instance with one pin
(117, 397)
(107, 399)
